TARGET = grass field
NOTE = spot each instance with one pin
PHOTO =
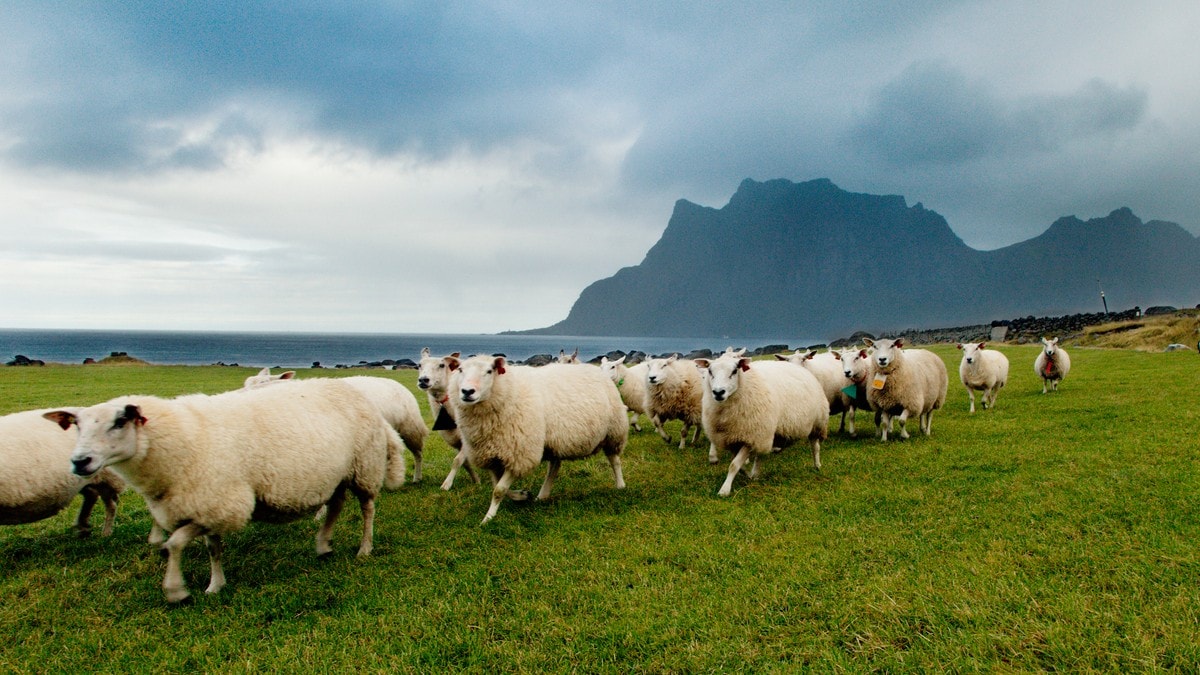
(1056, 532)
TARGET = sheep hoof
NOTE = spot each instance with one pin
(178, 595)
(83, 532)
(518, 495)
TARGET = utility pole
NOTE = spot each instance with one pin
(1102, 299)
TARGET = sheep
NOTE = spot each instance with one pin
(984, 370)
(1052, 364)
(513, 418)
(208, 465)
(564, 357)
(827, 367)
(751, 407)
(36, 480)
(631, 384)
(434, 377)
(905, 382)
(395, 402)
(674, 392)
(856, 367)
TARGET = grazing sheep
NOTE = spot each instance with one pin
(905, 382)
(435, 378)
(674, 391)
(631, 383)
(752, 407)
(395, 402)
(983, 370)
(208, 465)
(827, 368)
(1052, 364)
(513, 418)
(36, 480)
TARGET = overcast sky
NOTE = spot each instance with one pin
(471, 167)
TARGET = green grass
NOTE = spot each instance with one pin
(1056, 532)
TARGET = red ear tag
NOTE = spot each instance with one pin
(499, 370)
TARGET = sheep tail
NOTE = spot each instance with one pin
(396, 469)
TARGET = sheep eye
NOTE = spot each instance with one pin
(120, 423)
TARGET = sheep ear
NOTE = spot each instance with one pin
(982, 345)
(836, 354)
(672, 358)
(132, 414)
(63, 418)
(701, 363)
(499, 364)
(424, 352)
(265, 372)
(862, 353)
(744, 364)
(620, 360)
(811, 355)
(287, 375)
(456, 354)
(898, 343)
(781, 357)
(868, 342)
(451, 361)
(959, 345)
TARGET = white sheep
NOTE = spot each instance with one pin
(631, 384)
(752, 407)
(513, 418)
(827, 368)
(36, 480)
(984, 370)
(564, 357)
(208, 465)
(856, 367)
(1052, 364)
(905, 382)
(395, 402)
(435, 378)
(674, 391)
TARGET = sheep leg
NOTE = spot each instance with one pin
(971, 393)
(366, 503)
(157, 535)
(658, 428)
(816, 448)
(83, 525)
(216, 574)
(754, 466)
(333, 508)
(551, 474)
(499, 490)
(842, 426)
(850, 424)
(903, 417)
(173, 586)
(459, 461)
(633, 420)
(614, 460)
(884, 422)
(712, 453)
(416, 464)
(927, 423)
(739, 460)
(110, 498)
(683, 436)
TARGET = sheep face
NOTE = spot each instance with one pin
(611, 368)
(433, 374)
(108, 434)
(971, 352)
(1050, 347)
(887, 353)
(478, 378)
(722, 376)
(657, 372)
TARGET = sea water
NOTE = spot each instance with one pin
(302, 350)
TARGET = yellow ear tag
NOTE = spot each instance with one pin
(877, 383)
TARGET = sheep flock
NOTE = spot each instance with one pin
(282, 448)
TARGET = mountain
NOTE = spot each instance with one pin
(810, 259)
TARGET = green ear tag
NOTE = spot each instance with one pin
(851, 391)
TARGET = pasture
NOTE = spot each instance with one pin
(1055, 532)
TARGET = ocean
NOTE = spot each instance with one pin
(302, 350)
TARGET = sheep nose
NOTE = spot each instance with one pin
(423, 382)
(80, 467)
(719, 394)
(467, 394)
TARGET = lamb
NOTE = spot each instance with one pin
(983, 370)
(395, 402)
(513, 418)
(631, 384)
(827, 367)
(208, 465)
(1052, 364)
(36, 480)
(905, 382)
(752, 407)
(674, 391)
(434, 377)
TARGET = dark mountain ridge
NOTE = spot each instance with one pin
(811, 259)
